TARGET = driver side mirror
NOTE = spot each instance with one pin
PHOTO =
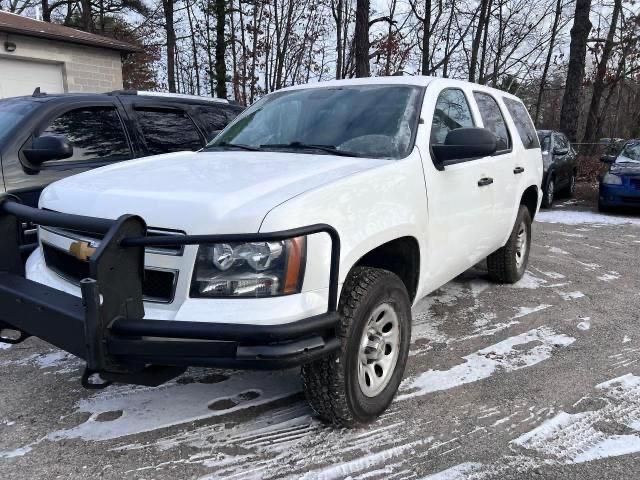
(608, 159)
(464, 144)
(560, 151)
(51, 147)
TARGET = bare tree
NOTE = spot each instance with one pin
(570, 112)
(362, 39)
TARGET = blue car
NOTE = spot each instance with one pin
(620, 186)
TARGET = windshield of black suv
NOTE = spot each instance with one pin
(376, 121)
(12, 112)
(630, 153)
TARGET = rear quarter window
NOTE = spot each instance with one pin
(523, 123)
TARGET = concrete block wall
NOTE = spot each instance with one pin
(84, 68)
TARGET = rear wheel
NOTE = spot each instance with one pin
(356, 384)
(571, 189)
(508, 264)
(548, 193)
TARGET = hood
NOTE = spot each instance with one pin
(625, 168)
(200, 193)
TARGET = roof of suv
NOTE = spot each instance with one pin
(46, 97)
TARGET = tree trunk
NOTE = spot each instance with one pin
(46, 12)
(86, 19)
(362, 38)
(194, 47)
(337, 16)
(426, 39)
(477, 38)
(570, 112)
(591, 127)
(547, 63)
(171, 44)
(221, 67)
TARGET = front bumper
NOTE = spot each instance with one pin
(107, 326)
(619, 195)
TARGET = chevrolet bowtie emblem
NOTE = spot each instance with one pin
(81, 250)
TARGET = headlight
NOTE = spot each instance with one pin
(611, 179)
(251, 269)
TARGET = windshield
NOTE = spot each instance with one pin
(12, 112)
(545, 141)
(630, 153)
(377, 121)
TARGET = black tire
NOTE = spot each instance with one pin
(603, 208)
(331, 384)
(571, 189)
(548, 192)
(503, 264)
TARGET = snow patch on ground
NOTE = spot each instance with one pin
(607, 277)
(570, 295)
(530, 281)
(502, 356)
(626, 339)
(143, 409)
(457, 472)
(584, 324)
(572, 217)
(523, 311)
(594, 434)
(557, 250)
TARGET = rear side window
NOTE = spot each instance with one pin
(215, 118)
(523, 123)
(167, 131)
(452, 111)
(493, 120)
(560, 141)
(96, 133)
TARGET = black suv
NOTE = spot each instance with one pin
(560, 166)
(44, 138)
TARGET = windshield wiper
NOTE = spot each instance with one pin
(310, 146)
(234, 145)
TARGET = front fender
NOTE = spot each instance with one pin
(367, 209)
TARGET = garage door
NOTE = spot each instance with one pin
(21, 77)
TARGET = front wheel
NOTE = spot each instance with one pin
(508, 264)
(357, 383)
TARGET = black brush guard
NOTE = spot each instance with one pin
(106, 326)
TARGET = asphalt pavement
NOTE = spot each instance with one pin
(536, 380)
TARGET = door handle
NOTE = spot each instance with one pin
(483, 182)
(518, 170)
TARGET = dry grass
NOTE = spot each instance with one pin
(590, 167)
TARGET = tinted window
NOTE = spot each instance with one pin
(493, 120)
(545, 141)
(452, 111)
(166, 131)
(523, 123)
(96, 133)
(12, 112)
(215, 118)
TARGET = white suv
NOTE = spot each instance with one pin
(301, 236)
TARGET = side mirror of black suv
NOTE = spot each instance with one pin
(50, 147)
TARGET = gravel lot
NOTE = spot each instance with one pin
(536, 380)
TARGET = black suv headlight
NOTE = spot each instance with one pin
(249, 269)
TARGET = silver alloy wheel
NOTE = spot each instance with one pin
(521, 245)
(551, 186)
(379, 349)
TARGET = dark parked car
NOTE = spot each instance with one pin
(44, 138)
(620, 186)
(560, 165)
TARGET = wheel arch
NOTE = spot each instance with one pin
(530, 199)
(400, 256)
